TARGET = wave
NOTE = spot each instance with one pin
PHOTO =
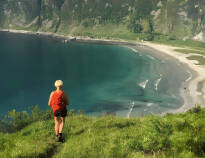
(157, 82)
(149, 104)
(190, 77)
(173, 96)
(143, 84)
(163, 62)
(150, 57)
(131, 108)
(134, 50)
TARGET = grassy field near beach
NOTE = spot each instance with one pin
(174, 135)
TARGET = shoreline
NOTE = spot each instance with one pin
(194, 84)
(66, 39)
(194, 93)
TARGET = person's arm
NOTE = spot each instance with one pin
(66, 99)
(49, 101)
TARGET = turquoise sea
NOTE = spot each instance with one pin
(97, 78)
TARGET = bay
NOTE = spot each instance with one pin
(97, 78)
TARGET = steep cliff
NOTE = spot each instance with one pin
(181, 19)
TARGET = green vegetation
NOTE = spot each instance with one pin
(197, 45)
(173, 135)
(201, 60)
(190, 47)
(188, 51)
(15, 121)
(108, 31)
(158, 20)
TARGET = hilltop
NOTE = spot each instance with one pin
(173, 135)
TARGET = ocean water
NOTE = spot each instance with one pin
(97, 78)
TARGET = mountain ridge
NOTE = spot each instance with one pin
(143, 19)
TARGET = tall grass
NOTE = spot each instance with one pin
(174, 135)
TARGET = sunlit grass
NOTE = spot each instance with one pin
(174, 135)
(200, 59)
(190, 51)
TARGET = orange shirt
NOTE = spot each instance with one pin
(57, 101)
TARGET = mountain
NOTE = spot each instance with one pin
(181, 19)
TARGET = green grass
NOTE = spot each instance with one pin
(109, 31)
(174, 135)
(200, 59)
(36, 140)
(120, 31)
(186, 44)
(190, 51)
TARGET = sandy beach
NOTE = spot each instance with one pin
(67, 38)
(194, 92)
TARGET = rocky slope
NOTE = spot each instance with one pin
(177, 18)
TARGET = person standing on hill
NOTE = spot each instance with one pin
(58, 101)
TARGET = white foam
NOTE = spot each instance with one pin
(173, 96)
(131, 108)
(149, 104)
(150, 57)
(143, 84)
(132, 49)
(157, 82)
(162, 61)
(190, 77)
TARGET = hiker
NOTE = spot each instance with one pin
(58, 101)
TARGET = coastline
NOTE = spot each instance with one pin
(194, 85)
(66, 39)
(194, 93)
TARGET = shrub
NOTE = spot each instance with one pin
(146, 37)
(15, 120)
(18, 119)
(71, 112)
(197, 108)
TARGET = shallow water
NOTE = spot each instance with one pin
(98, 78)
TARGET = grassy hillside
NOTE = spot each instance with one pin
(174, 135)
